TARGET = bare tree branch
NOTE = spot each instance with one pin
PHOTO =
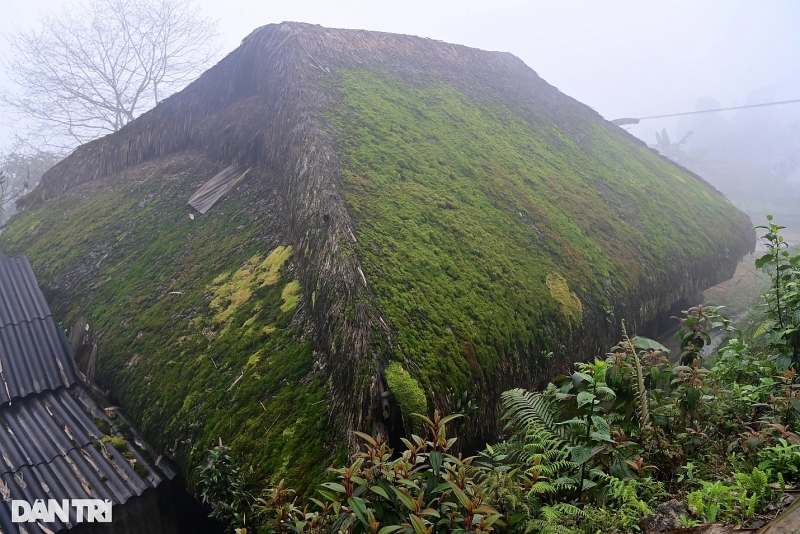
(78, 77)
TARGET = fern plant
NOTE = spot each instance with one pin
(545, 462)
(542, 408)
(559, 518)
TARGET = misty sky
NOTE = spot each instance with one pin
(623, 58)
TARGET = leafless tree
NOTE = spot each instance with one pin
(20, 173)
(98, 65)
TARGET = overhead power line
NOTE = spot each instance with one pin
(621, 122)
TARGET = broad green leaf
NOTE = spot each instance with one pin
(763, 260)
(692, 396)
(446, 419)
(369, 439)
(418, 524)
(379, 491)
(601, 425)
(584, 398)
(424, 418)
(405, 498)
(646, 343)
(436, 462)
(335, 486)
(460, 495)
(580, 454)
(360, 509)
(409, 483)
(655, 374)
(606, 393)
(442, 487)
(599, 436)
(578, 377)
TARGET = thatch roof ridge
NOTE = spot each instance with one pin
(268, 55)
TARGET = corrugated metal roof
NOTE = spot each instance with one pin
(20, 297)
(50, 443)
(34, 356)
(214, 189)
(51, 449)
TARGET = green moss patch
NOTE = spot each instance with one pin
(118, 443)
(570, 304)
(290, 295)
(406, 389)
(192, 315)
(231, 291)
(486, 238)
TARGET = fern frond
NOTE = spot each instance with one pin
(526, 408)
(555, 519)
(642, 402)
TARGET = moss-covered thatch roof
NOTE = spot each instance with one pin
(409, 201)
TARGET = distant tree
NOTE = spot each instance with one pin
(98, 65)
(673, 151)
(20, 174)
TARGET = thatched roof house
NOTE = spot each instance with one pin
(421, 223)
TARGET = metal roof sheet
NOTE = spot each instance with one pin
(36, 430)
(51, 449)
(50, 443)
(215, 188)
(34, 357)
(20, 297)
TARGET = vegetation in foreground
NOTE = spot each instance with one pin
(595, 451)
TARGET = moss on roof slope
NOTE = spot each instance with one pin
(428, 211)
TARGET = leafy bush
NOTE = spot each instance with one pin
(782, 458)
(733, 503)
(227, 488)
(783, 298)
(426, 489)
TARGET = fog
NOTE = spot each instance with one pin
(753, 155)
(622, 58)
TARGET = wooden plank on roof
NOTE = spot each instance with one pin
(786, 523)
(216, 188)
